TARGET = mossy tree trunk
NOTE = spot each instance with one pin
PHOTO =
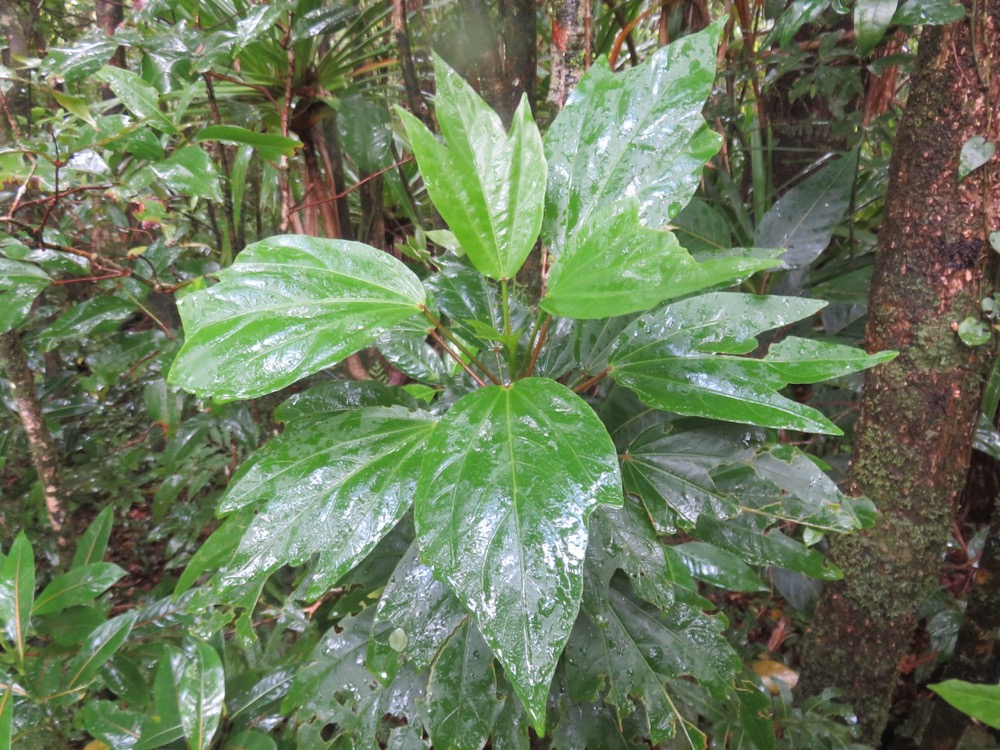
(913, 441)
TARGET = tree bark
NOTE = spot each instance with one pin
(44, 452)
(914, 436)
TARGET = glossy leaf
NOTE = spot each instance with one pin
(681, 358)
(981, 702)
(288, 307)
(416, 614)
(200, 693)
(332, 487)
(462, 691)
(804, 219)
(78, 586)
(796, 15)
(116, 727)
(137, 96)
(80, 60)
(20, 283)
(100, 646)
(93, 317)
(509, 480)
(716, 566)
(637, 134)
(94, 541)
(164, 726)
(614, 266)
(333, 396)
(929, 12)
(488, 185)
(975, 153)
(871, 21)
(17, 592)
(190, 171)
(270, 147)
(6, 716)
(250, 739)
(811, 361)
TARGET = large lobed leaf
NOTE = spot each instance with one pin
(289, 306)
(332, 487)
(509, 480)
(487, 185)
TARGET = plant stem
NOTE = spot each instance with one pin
(454, 355)
(537, 349)
(445, 333)
(587, 384)
(509, 346)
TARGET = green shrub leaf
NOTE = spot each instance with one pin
(20, 283)
(509, 480)
(981, 702)
(17, 592)
(78, 586)
(200, 692)
(288, 307)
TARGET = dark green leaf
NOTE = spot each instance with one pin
(80, 60)
(116, 727)
(332, 487)
(217, 550)
(93, 317)
(138, 97)
(981, 702)
(200, 693)
(250, 739)
(509, 480)
(78, 586)
(288, 307)
(100, 646)
(488, 185)
(871, 20)
(190, 171)
(638, 134)
(20, 283)
(17, 592)
(94, 541)
(716, 566)
(797, 15)
(804, 219)
(928, 12)
(333, 396)
(462, 691)
(270, 147)
(164, 726)
(366, 134)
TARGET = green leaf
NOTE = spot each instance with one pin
(100, 646)
(332, 396)
(333, 487)
(78, 586)
(17, 592)
(20, 283)
(811, 361)
(201, 690)
(803, 219)
(216, 551)
(270, 147)
(712, 565)
(416, 610)
(489, 186)
(94, 541)
(288, 307)
(975, 153)
(797, 15)
(6, 716)
(509, 480)
(613, 266)
(681, 358)
(637, 134)
(462, 691)
(871, 20)
(76, 105)
(81, 59)
(93, 317)
(754, 546)
(981, 702)
(116, 727)
(164, 726)
(250, 739)
(191, 172)
(138, 97)
(928, 12)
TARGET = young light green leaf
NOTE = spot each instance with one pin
(975, 153)
(462, 691)
(100, 646)
(138, 97)
(811, 361)
(871, 20)
(981, 702)
(94, 541)
(614, 266)
(17, 592)
(488, 185)
(288, 307)
(201, 691)
(271, 147)
(76, 105)
(509, 480)
(680, 358)
(804, 219)
(638, 134)
(78, 586)
(333, 487)
(20, 283)
(190, 171)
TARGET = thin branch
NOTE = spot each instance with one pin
(538, 347)
(461, 347)
(588, 384)
(454, 355)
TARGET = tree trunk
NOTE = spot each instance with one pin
(913, 440)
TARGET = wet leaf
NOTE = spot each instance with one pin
(94, 541)
(981, 702)
(332, 487)
(20, 283)
(137, 96)
(803, 220)
(6, 715)
(116, 727)
(79, 60)
(975, 153)
(17, 592)
(93, 317)
(637, 134)
(712, 565)
(270, 147)
(509, 480)
(488, 185)
(190, 171)
(928, 12)
(288, 307)
(250, 739)
(78, 586)
(811, 361)
(871, 20)
(462, 691)
(681, 358)
(200, 693)
(332, 396)
(100, 646)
